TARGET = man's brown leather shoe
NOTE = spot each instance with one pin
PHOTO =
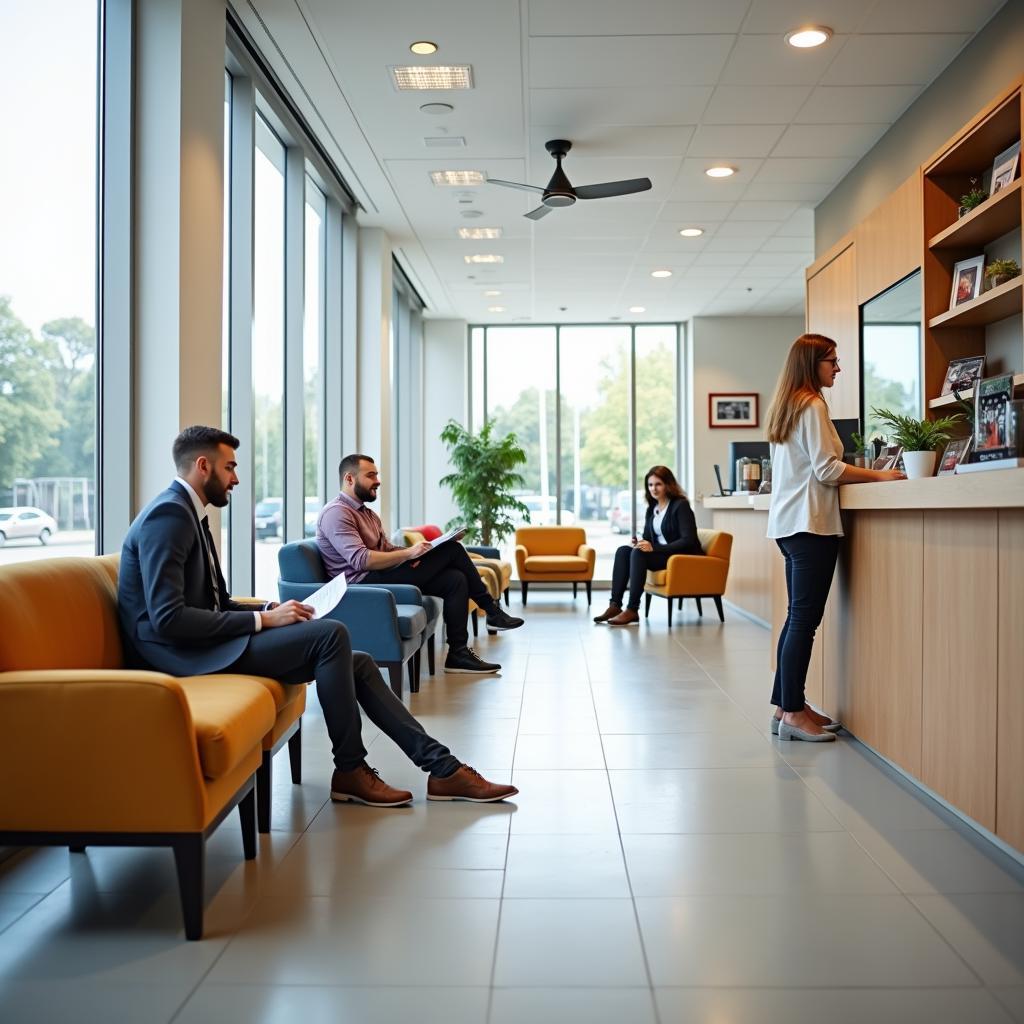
(609, 613)
(625, 618)
(467, 784)
(364, 786)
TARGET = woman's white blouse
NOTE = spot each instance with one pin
(805, 477)
(656, 522)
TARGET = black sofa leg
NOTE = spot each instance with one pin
(647, 605)
(410, 668)
(295, 754)
(395, 678)
(264, 785)
(680, 605)
(247, 816)
(190, 860)
(575, 587)
(525, 587)
(476, 625)
(430, 652)
(76, 849)
(507, 605)
(700, 607)
(718, 605)
(590, 594)
(669, 603)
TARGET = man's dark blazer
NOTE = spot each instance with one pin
(679, 528)
(165, 594)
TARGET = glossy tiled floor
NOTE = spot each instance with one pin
(666, 861)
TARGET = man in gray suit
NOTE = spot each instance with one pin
(177, 617)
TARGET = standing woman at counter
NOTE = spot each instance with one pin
(807, 470)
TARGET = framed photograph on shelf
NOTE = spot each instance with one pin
(738, 410)
(963, 374)
(888, 457)
(956, 452)
(967, 279)
(1004, 168)
(992, 398)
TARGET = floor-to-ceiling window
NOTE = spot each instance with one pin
(225, 339)
(48, 218)
(593, 406)
(268, 353)
(313, 339)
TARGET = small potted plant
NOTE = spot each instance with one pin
(861, 454)
(972, 198)
(920, 439)
(1000, 271)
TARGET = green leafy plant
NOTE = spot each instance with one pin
(918, 435)
(858, 442)
(1002, 268)
(483, 481)
(974, 197)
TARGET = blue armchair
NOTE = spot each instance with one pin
(386, 621)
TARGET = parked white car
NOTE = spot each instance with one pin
(26, 521)
(542, 510)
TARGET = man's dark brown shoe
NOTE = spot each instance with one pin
(467, 784)
(627, 617)
(609, 613)
(363, 785)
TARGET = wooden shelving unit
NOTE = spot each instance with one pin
(944, 401)
(960, 332)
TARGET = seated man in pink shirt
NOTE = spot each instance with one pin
(352, 541)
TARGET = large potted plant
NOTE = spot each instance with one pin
(483, 480)
(920, 439)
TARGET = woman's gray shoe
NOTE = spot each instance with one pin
(791, 732)
(775, 725)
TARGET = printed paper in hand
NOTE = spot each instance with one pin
(326, 599)
(457, 534)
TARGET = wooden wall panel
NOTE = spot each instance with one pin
(890, 240)
(878, 691)
(832, 310)
(750, 566)
(1010, 707)
(961, 577)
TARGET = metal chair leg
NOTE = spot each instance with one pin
(589, 585)
(295, 754)
(647, 605)
(700, 607)
(669, 603)
(718, 605)
(430, 652)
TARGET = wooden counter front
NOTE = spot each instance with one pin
(749, 586)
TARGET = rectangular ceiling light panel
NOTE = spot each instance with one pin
(484, 258)
(432, 77)
(457, 179)
(476, 233)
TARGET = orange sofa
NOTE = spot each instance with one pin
(695, 576)
(554, 554)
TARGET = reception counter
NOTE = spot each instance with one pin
(921, 650)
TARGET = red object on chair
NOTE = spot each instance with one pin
(429, 531)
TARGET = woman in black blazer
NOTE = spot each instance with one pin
(669, 529)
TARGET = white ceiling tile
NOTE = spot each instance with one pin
(929, 15)
(782, 262)
(575, 109)
(767, 60)
(830, 104)
(834, 139)
(748, 210)
(767, 273)
(782, 16)
(654, 17)
(893, 59)
(615, 140)
(751, 104)
(733, 245)
(799, 225)
(709, 258)
(803, 192)
(740, 140)
(781, 243)
(567, 62)
(755, 230)
(698, 214)
(804, 169)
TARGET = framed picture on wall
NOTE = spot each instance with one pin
(736, 410)
(967, 275)
(1004, 168)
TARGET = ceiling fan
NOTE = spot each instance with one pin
(559, 190)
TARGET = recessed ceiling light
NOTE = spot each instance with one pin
(495, 309)
(661, 273)
(434, 76)
(488, 257)
(809, 36)
(615, 318)
(444, 141)
(492, 293)
(691, 232)
(470, 214)
(457, 179)
(479, 232)
(437, 109)
(720, 171)
(423, 48)
(638, 309)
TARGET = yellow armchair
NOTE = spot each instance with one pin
(695, 576)
(554, 554)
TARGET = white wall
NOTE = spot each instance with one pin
(729, 354)
(445, 367)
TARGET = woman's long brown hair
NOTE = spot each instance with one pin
(668, 478)
(798, 385)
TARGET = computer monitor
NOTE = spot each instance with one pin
(751, 449)
(846, 429)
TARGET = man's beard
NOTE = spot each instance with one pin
(216, 494)
(364, 493)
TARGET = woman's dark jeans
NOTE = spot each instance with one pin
(810, 565)
(630, 568)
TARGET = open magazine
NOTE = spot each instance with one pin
(457, 534)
